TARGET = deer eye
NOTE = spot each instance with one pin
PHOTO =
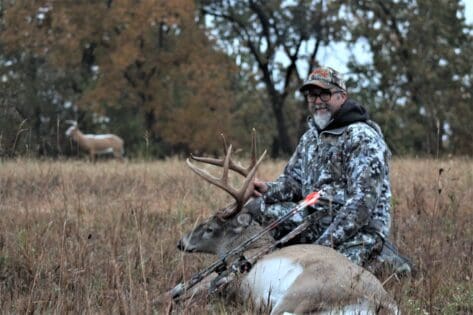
(209, 229)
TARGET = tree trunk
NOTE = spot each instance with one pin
(281, 143)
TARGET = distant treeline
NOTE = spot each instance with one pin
(170, 76)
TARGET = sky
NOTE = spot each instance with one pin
(468, 11)
(336, 55)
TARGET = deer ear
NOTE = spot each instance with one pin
(244, 219)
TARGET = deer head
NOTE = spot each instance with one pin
(218, 233)
(216, 236)
(72, 128)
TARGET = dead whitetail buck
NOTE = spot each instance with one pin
(294, 279)
(96, 144)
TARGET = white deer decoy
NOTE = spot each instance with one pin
(96, 144)
(297, 279)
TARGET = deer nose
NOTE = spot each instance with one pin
(179, 245)
(185, 246)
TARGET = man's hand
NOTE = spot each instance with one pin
(260, 188)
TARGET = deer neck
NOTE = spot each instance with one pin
(80, 138)
(254, 228)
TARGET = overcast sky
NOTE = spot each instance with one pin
(468, 11)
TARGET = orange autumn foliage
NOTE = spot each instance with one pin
(151, 56)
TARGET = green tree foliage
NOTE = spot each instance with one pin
(419, 83)
(274, 40)
(30, 106)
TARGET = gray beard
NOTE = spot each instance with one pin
(322, 120)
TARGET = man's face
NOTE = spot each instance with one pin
(324, 103)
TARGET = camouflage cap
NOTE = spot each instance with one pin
(324, 77)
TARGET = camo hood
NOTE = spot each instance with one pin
(350, 112)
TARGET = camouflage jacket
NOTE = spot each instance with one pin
(349, 164)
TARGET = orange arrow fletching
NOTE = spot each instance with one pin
(312, 198)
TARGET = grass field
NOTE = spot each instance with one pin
(89, 238)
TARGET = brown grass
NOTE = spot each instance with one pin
(89, 238)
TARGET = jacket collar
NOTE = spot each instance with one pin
(349, 113)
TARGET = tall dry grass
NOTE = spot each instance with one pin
(89, 238)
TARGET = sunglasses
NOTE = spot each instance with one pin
(324, 94)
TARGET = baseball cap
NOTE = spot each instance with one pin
(324, 77)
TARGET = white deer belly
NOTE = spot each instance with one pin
(105, 151)
(107, 136)
(269, 280)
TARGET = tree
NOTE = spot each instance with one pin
(261, 34)
(31, 107)
(419, 84)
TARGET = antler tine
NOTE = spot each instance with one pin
(241, 195)
(226, 164)
(225, 147)
(219, 182)
(219, 162)
(247, 189)
(244, 193)
(232, 165)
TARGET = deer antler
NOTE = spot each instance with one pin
(232, 165)
(246, 190)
